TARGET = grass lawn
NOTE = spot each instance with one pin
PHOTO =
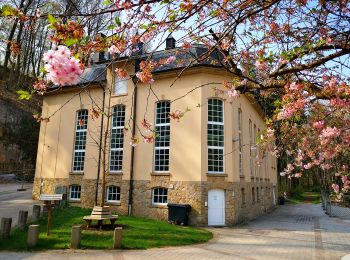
(138, 233)
(305, 197)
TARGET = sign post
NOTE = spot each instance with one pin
(48, 199)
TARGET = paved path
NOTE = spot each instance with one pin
(12, 201)
(290, 232)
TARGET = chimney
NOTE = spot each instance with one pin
(170, 42)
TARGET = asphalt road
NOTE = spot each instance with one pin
(12, 201)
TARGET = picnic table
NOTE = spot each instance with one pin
(100, 214)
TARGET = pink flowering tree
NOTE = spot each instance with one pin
(292, 56)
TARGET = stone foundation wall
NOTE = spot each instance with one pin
(193, 193)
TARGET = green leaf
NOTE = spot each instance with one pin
(51, 19)
(24, 95)
(70, 42)
(7, 10)
(107, 2)
(117, 21)
(110, 27)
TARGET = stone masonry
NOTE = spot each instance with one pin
(240, 204)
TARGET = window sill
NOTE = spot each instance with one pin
(73, 201)
(161, 206)
(111, 203)
(160, 173)
(120, 95)
(115, 173)
(76, 173)
(217, 174)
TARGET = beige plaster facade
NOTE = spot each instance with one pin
(188, 180)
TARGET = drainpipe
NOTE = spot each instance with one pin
(100, 148)
(131, 182)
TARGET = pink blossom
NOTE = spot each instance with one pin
(330, 132)
(308, 166)
(270, 132)
(170, 59)
(232, 93)
(62, 69)
(335, 187)
(318, 125)
(298, 175)
(261, 65)
(113, 50)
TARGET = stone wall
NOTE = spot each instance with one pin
(193, 193)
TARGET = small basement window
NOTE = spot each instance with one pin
(160, 196)
(74, 192)
(113, 194)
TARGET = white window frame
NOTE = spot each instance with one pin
(250, 147)
(120, 86)
(161, 148)
(119, 149)
(160, 196)
(74, 191)
(254, 152)
(79, 129)
(221, 148)
(240, 141)
(117, 193)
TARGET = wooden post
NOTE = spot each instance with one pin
(76, 237)
(22, 218)
(117, 239)
(5, 227)
(33, 235)
(49, 217)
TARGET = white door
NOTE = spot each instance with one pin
(216, 208)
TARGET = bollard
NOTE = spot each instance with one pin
(5, 227)
(76, 237)
(22, 218)
(36, 212)
(117, 239)
(33, 235)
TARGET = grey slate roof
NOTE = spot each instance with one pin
(184, 58)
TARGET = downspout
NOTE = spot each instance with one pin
(134, 111)
(100, 148)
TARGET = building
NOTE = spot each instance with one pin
(207, 159)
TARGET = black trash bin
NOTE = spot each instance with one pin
(178, 213)
(281, 200)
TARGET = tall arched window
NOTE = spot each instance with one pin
(215, 136)
(80, 140)
(162, 141)
(117, 139)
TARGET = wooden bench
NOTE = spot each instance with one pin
(100, 214)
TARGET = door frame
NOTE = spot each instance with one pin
(222, 192)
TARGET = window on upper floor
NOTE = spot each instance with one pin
(117, 139)
(120, 86)
(215, 135)
(250, 147)
(160, 196)
(74, 192)
(113, 194)
(242, 197)
(162, 141)
(240, 142)
(80, 140)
